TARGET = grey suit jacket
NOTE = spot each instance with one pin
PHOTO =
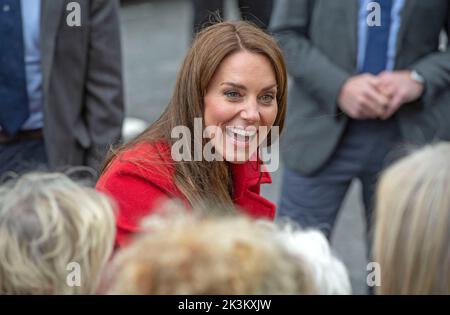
(319, 40)
(82, 81)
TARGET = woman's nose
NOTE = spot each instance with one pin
(250, 112)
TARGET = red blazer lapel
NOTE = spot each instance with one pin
(247, 180)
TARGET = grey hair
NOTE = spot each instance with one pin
(48, 221)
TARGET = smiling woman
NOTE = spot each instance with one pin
(238, 103)
(234, 79)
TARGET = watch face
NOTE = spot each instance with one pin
(417, 77)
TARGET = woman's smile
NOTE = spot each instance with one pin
(241, 137)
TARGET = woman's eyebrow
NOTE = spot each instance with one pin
(236, 85)
(242, 87)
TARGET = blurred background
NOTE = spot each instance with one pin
(155, 37)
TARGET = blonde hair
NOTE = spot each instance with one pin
(188, 254)
(412, 233)
(47, 222)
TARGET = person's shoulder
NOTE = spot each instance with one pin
(147, 152)
(146, 161)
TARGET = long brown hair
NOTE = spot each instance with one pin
(203, 180)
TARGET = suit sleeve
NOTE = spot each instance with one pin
(435, 68)
(104, 108)
(318, 75)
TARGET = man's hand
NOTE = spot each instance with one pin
(400, 88)
(361, 99)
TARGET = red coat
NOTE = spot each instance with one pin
(138, 191)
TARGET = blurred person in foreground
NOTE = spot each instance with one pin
(60, 83)
(229, 97)
(55, 236)
(367, 76)
(412, 230)
(188, 254)
(257, 12)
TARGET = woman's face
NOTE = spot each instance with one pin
(241, 100)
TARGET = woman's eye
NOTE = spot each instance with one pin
(268, 98)
(232, 94)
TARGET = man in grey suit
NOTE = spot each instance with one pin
(61, 97)
(365, 77)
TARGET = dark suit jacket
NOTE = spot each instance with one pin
(82, 81)
(319, 39)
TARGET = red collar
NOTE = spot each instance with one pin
(247, 178)
(248, 175)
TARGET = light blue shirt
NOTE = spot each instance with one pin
(396, 20)
(31, 17)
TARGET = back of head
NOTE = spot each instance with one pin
(228, 255)
(412, 235)
(184, 254)
(49, 227)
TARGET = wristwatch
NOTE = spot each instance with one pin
(417, 77)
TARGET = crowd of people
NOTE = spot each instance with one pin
(163, 219)
(48, 222)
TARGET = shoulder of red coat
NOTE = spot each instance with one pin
(149, 161)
